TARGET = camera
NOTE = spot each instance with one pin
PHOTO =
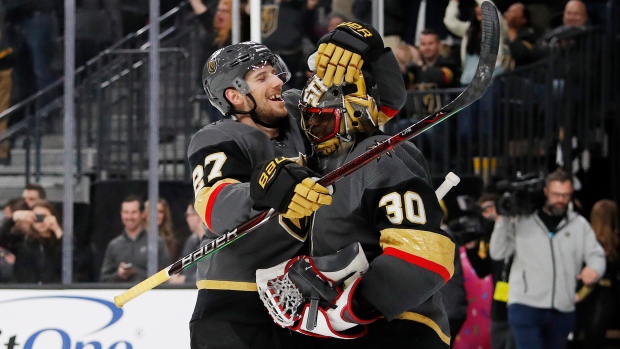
(471, 226)
(520, 196)
(39, 218)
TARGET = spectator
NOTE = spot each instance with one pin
(11, 206)
(425, 14)
(483, 265)
(396, 19)
(126, 256)
(471, 33)
(574, 21)
(284, 25)
(216, 19)
(331, 21)
(97, 26)
(7, 259)
(334, 19)
(194, 222)
(7, 60)
(33, 192)
(31, 24)
(406, 55)
(427, 70)
(165, 228)
(343, 6)
(521, 37)
(475, 332)
(37, 246)
(549, 248)
(598, 304)
(21, 213)
(431, 67)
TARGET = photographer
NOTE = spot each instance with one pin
(548, 247)
(477, 254)
(36, 242)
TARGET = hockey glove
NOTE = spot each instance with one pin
(313, 296)
(344, 51)
(287, 187)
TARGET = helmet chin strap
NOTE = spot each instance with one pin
(254, 116)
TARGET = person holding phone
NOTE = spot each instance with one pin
(37, 246)
(126, 256)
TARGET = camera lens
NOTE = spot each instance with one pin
(507, 205)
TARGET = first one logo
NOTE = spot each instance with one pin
(59, 338)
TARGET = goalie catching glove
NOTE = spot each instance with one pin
(287, 187)
(342, 52)
(314, 296)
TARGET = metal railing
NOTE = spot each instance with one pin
(527, 113)
(111, 111)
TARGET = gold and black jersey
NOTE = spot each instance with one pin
(390, 207)
(222, 157)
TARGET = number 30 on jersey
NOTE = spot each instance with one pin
(213, 161)
(399, 206)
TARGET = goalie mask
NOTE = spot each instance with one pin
(332, 115)
(227, 67)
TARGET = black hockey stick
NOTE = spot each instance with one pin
(475, 90)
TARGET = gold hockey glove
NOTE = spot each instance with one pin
(342, 52)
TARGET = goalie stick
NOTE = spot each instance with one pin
(473, 92)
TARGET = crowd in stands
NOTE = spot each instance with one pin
(437, 44)
(33, 29)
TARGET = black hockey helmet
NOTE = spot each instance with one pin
(226, 68)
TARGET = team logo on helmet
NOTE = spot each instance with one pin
(212, 65)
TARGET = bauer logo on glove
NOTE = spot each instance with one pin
(266, 175)
(365, 32)
(287, 187)
(342, 52)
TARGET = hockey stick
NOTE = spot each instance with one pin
(475, 90)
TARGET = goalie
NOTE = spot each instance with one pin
(383, 256)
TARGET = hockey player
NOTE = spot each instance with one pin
(242, 167)
(245, 81)
(390, 209)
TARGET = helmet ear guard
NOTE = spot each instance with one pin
(361, 109)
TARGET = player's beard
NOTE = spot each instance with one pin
(270, 115)
(557, 210)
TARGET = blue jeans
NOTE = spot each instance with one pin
(38, 42)
(534, 328)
